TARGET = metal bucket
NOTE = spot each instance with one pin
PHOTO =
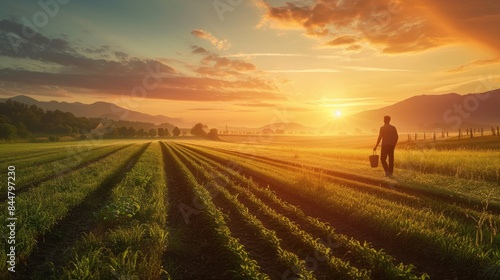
(374, 160)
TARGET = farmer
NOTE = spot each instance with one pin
(389, 136)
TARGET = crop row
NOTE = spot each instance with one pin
(423, 230)
(131, 235)
(465, 190)
(40, 208)
(463, 208)
(43, 157)
(266, 238)
(241, 266)
(34, 171)
(377, 262)
(23, 151)
(16, 157)
(305, 241)
(413, 195)
(362, 253)
(477, 164)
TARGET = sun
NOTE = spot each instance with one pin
(336, 114)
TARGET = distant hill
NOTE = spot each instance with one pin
(416, 114)
(97, 110)
(431, 112)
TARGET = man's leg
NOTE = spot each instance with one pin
(383, 159)
(390, 153)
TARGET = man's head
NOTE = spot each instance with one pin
(387, 119)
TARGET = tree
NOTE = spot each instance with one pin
(161, 132)
(141, 132)
(123, 131)
(197, 130)
(113, 132)
(212, 134)
(131, 132)
(7, 131)
(152, 132)
(176, 132)
(22, 130)
(32, 119)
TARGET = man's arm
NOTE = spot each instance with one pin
(378, 140)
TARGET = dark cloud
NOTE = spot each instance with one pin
(170, 88)
(85, 81)
(220, 66)
(199, 50)
(13, 43)
(219, 44)
(121, 55)
(102, 70)
(99, 50)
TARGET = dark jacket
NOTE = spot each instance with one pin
(389, 135)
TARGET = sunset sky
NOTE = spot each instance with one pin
(248, 62)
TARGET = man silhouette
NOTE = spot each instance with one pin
(389, 136)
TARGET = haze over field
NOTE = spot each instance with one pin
(447, 112)
(248, 63)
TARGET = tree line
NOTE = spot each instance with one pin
(22, 121)
(19, 120)
(141, 132)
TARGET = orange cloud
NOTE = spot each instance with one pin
(219, 44)
(224, 62)
(219, 66)
(393, 26)
(474, 64)
(343, 40)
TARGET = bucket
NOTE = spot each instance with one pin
(374, 160)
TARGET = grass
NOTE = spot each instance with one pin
(131, 237)
(453, 237)
(465, 173)
(39, 209)
(442, 207)
(374, 260)
(244, 266)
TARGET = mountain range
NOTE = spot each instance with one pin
(447, 112)
(98, 110)
(415, 114)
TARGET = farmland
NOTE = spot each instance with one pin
(274, 208)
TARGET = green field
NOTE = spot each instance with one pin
(274, 207)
